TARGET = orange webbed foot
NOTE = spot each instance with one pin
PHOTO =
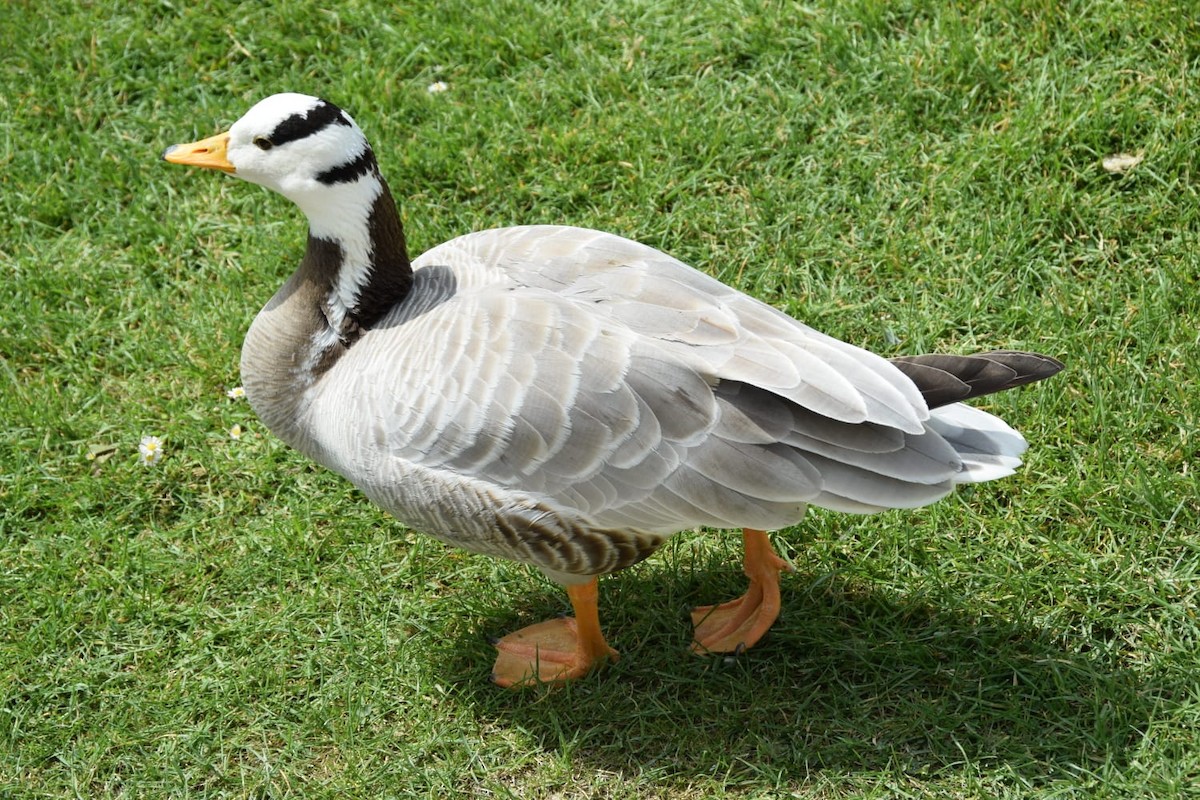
(547, 652)
(737, 625)
(555, 651)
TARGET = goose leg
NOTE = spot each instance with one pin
(557, 650)
(734, 626)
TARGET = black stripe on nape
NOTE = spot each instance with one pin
(297, 126)
(351, 170)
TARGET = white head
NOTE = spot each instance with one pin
(305, 148)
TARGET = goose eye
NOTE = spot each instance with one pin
(263, 143)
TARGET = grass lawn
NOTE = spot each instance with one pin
(911, 177)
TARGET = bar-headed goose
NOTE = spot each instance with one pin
(569, 398)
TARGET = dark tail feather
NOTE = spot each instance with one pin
(945, 379)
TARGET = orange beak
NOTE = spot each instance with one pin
(208, 153)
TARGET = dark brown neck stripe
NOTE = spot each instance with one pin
(391, 274)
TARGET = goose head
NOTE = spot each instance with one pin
(302, 147)
(313, 153)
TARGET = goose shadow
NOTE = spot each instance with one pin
(852, 679)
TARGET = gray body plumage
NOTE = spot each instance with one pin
(569, 398)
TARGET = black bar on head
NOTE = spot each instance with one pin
(297, 126)
(351, 170)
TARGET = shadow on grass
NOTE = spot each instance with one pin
(850, 680)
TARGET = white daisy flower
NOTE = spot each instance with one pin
(437, 87)
(150, 450)
(235, 432)
(236, 393)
